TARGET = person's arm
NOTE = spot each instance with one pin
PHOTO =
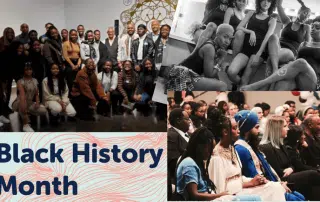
(208, 65)
(272, 26)
(248, 167)
(272, 159)
(65, 47)
(308, 31)
(284, 18)
(47, 95)
(228, 14)
(22, 96)
(65, 96)
(47, 54)
(114, 81)
(120, 86)
(151, 48)
(244, 22)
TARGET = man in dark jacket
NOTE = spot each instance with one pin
(142, 47)
(112, 46)
(103, 50)
(177, 137)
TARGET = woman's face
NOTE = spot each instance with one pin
(265, 5)
(55, 70)
(107, 66)
(309, 112)
(187, 108)
(286, 116)
(10, 34)
(231, 111)
(316, 113)
(241, 4)
(165, 31)
(90, 36)
(36, 46)
(235, 130)
(236, 109)
(64, 34)
(54, 34)
(33, 36)
(200, 112)
(74, 36)
(304, 15)
(205, 151)
(20, 50)
(315, 31)
(127, 66)
(260, 114)
(284, 130)
(148, 65)
(28, 72)
(225, 107)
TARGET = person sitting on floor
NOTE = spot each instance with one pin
(55, 93)
(87, 94)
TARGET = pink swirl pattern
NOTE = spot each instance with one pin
(96, 181)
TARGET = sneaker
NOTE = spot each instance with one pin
(27, 128)
(4, 119)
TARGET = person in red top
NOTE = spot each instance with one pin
(87, 93)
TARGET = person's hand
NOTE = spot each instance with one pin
(126, 101)
(106, 98)
(279, 2)
(224, 193)
(255, 60)
(111, 90)
(252, 39)
(137, 68)
(304, 144)
(37, 105)
(287, 172)
(258, 180)
(284, 185)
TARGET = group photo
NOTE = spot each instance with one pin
(244, 45)
(243, 146)
(82, 79)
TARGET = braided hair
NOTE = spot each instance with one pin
(202, 136)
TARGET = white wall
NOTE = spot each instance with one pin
(36, 13)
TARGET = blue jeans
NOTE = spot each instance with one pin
(247, 198)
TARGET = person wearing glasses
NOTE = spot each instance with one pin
(306, 182)
(225, 166)
(252, 159)
(177, 137)
(198, 115)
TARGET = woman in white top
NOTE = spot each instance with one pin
(108, 78)
(55, 93)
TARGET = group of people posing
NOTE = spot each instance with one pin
(291, 55)
(220, 151)
(74, 73)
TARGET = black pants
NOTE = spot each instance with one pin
(81, 104)
(307, 183)
(70, 75)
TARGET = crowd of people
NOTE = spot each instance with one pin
(287, 46)
(75, 73)
(227, 150)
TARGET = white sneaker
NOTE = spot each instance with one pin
(27, 128)
(1, 124)
(4, 119)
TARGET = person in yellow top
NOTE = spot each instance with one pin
(71, 53)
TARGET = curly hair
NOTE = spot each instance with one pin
(270, 10)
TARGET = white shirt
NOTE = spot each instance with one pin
(80, 40)
(155, 37)
(122, 48)
(108, 83)
(111, 41)
(182, 134)
(140, 48)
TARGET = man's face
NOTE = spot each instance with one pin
(10, 34)
(90, 36)
(97, 36)
(184, 124)
(315, 31)
(90, 67)
(224, 39)
(252, 136)
(155, 25)
(48, 26)
(315, 125)
(110, 33)
(24, 29)
(292, 110)
(80, 30)
(141, 31)
(130, 29)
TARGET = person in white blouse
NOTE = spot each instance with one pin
(108, 77)
(55, 93)
(125, 43)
